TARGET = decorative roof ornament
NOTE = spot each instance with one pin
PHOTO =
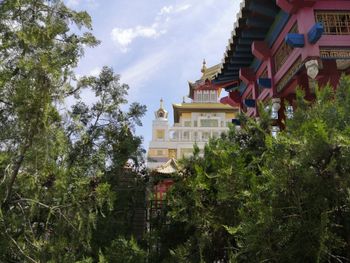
(169, 167)
(161, 113)
(204, 68)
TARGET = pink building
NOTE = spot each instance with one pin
(279, 45)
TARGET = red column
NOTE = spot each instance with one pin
(306, 20)
(329, 74)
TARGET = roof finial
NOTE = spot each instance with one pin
(204, 68)
(161, 103)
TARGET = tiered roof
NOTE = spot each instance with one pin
(205, 82)
(257, 20)
(170, 167)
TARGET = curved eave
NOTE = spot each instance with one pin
(191, 87)
(253, 23)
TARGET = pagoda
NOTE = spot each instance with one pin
(195, 122)
(279, 45)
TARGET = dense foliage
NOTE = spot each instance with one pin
(256, 198)
(72, 179)
(60, 168)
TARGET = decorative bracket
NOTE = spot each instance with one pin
(246, 75)
(315, 33)
(295, 40)
(260, 50)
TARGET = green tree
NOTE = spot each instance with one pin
(55, 163)
(210, 192)
(256, 198)
(301, 209)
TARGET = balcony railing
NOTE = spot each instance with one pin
(335, 23)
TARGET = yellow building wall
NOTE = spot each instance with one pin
(186, 115)
(230, 115)
(158, 153)
(160, 134)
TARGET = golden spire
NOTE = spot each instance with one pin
(204, 68)
(161, 103)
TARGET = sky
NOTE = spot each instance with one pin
(156, 46)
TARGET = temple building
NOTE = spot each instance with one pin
(278, 45)
(194, 122)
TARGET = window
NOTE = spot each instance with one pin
(205, 136)
(213, 96)
(284, 50)
(187, 123)
(160, 134)
(195, 123)
(199, 96)
(206, 96)
(209, 123)
(335, 23)
(186, 135)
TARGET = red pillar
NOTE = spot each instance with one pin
(329, 74)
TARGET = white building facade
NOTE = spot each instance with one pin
(194, 123)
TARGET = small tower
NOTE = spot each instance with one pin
(160, 127)
(158, 152)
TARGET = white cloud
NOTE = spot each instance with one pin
(123, 37)
(170, 9)
(86, 3)
(73, 3)
(182, 8)
(166, 10)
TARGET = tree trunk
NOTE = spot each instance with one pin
(17, 166)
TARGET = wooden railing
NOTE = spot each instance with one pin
(335, 23)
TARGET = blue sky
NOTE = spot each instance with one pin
(157, 45)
